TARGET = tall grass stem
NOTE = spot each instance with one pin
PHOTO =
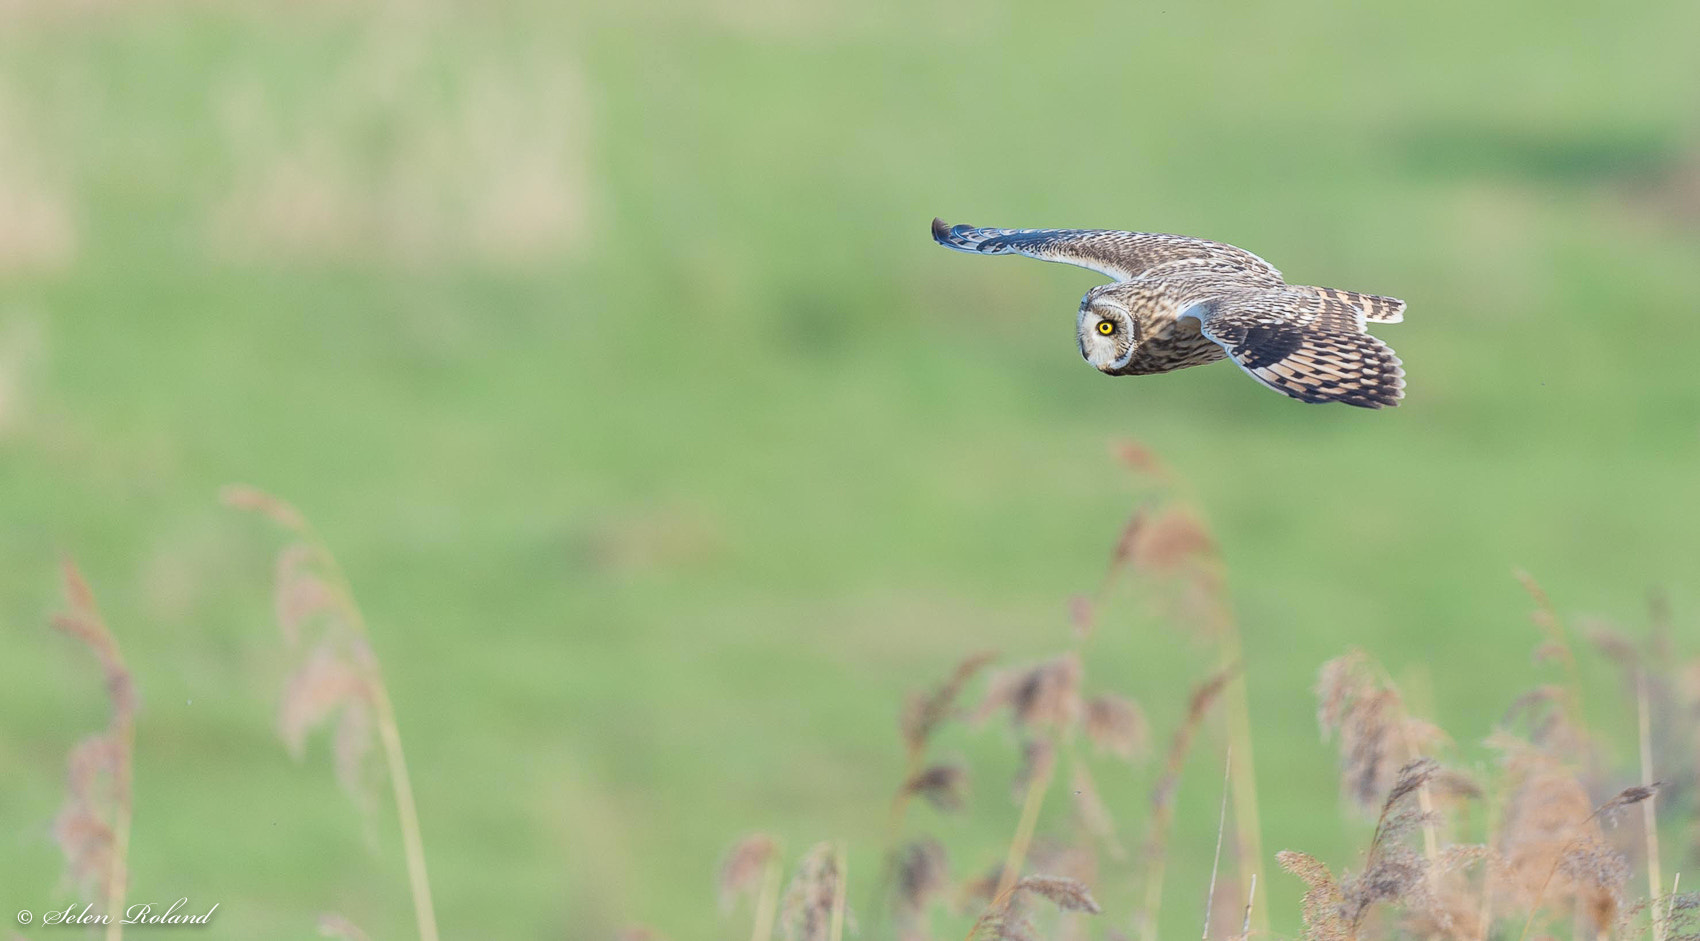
(1037, 785)
(1649, 817)
(1221, 825)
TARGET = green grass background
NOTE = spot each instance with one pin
(606, 345)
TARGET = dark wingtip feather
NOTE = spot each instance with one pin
(941, 231)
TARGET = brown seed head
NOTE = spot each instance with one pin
(1598, 874)
(923, 873)
(1117, 725)
(300, 594)
(255, 500)
(1546, 811)
(1323, 903)
(810, 898)
(325, 682)
(1069, 895)
(97, 792)
(743, 866)
(1627, 797)
(923, 713)
(1139, 458)
(945, 786)
(1203, 696)
(1045, 694)
(1613, 644)
(1172, 539)
(1377, 736)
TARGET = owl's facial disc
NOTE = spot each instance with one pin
(1107, 336)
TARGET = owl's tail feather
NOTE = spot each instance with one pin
(1377, 309)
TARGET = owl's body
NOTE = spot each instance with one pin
(1179, 302)
(1167, 341)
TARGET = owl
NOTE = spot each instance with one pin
(1179, 302)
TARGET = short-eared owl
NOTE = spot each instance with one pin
(1179, 302)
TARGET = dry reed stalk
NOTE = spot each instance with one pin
(1649, 819)
(1038, 782)
(1250, 897)
(1176, 541)
(335, 595)
(840, 896)
(767, 903)
(93, 828)
(1485, 919)
(1162, 795)
(1221, 825)
(1248, 824)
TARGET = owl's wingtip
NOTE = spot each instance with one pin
(941, 230)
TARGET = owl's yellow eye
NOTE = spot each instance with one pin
(1106, 328)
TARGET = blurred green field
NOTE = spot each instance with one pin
(607, 347)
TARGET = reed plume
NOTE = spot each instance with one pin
(1335, 908)
(923, 714)
(338, 675)
(752, 868)
(93, 826)
(923, 874)
(1008, 918)
(1117, 725)
(1596, 870)
(814, 908)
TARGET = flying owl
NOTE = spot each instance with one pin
(1180, 301)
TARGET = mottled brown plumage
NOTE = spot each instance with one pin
(1179, 302)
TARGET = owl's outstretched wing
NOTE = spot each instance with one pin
(1120, 255)
(1309, 346)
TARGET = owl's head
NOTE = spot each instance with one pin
(1108, 333)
